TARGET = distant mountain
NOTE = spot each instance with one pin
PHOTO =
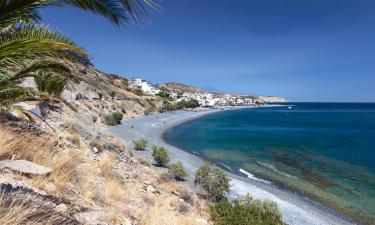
(272, 99)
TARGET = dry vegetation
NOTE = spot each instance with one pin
(111, 185)
(17, 211)
(171, 211)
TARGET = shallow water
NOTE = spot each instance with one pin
(323, 150)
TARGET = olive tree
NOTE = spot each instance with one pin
(161, 156)
(213, 180)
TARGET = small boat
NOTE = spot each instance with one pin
(290, 107)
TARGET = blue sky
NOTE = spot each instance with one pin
(310, 50)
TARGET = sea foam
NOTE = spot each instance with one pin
(252, 177)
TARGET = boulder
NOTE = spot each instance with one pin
(127, 222)
(50, 187)
(150, 189)
(23, 166)
(61, 208)
(95, 150)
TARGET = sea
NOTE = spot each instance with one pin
(321, 151)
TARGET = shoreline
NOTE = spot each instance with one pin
(295, 208)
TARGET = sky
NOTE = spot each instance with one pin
(310, 50)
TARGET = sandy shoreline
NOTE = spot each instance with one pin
(295, 210)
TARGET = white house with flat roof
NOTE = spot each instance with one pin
(145, 85)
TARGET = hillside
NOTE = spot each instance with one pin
(183, 88)
(95, 179)
(180, 88)
(272, 99)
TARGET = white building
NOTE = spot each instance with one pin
(240, 101)
(145, 85)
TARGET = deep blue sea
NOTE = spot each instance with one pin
(325, 151)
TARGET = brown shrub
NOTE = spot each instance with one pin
(75, 139)
(164, 178)
(95, 143)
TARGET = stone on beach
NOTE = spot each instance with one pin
(24, 166)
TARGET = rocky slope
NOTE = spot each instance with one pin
(95, 178)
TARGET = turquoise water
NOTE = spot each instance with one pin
(323, 150)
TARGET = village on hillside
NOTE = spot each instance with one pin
(180, 92)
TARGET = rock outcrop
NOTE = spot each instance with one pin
(26, 167)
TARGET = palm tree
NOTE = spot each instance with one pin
(49, 86)
(21, 41)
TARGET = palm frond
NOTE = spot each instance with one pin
(29, 42)
(11, 94)
(51, 84)
(16, 11)
(119, 12)
(44, 66)
(21, 112)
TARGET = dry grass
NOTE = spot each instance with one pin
(174, 186)
(144, 162)
(97, 184)
(119, 144)
(90, 194)
(168, 211)
(70, 124)
(107, 163)
(75, 139)
(95, 143)
(41, 150)
(181, 189)
(159, 214)
(66, 173)
(114, 191)
(24, 146)
(101, 183)
(164, 178)
(114, 218)
(15, 210)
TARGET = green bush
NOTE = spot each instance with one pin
(161, 156)
(138, 91)
(100, 95)
(110, 120)
(112, 94)
(118, 116)
(247, 211)
(163, 94)
(213, 180)
(177, 170)
(192, 103)
(113, 119)
(181, 104)
(125, 81)
(168, 106)
(140, 145)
